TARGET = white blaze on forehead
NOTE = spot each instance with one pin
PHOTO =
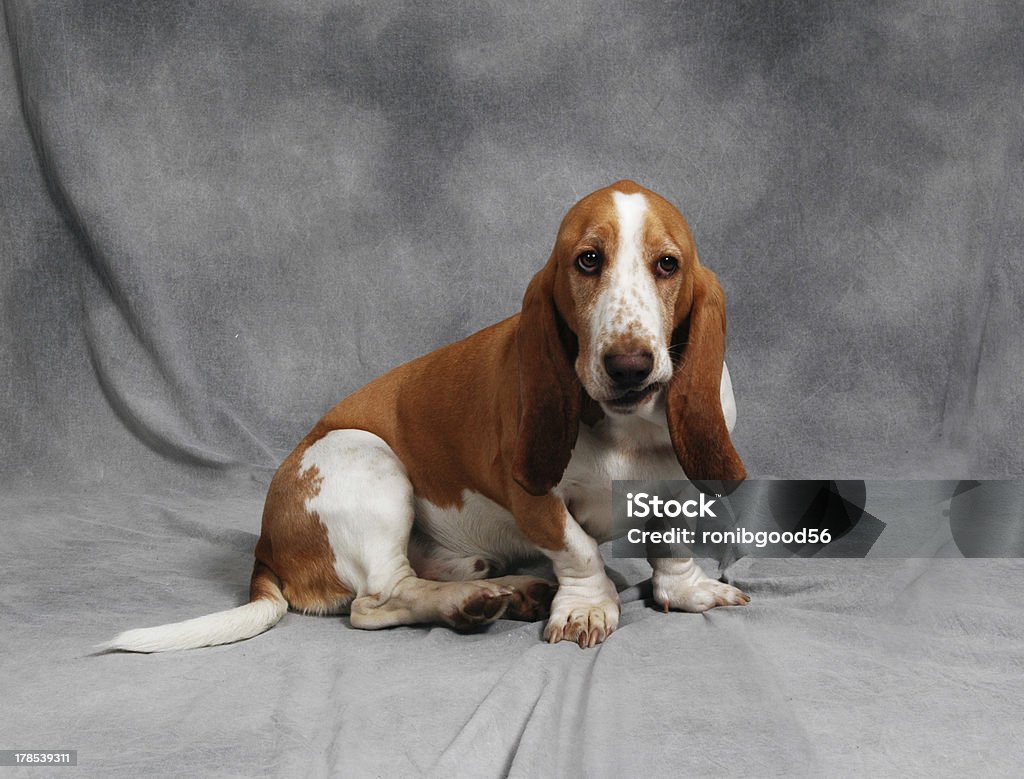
(631, 210)
(630, 305)
(629, 308)
(631, 287)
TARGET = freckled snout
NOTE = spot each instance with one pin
(628, 370)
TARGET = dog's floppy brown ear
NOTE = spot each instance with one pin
(695, 419)
(549, 391)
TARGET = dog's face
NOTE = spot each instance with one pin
(624, 311)
(624, 258)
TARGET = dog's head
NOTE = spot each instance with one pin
(624, 312)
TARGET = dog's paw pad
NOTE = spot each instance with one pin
(479, 607)
(533, 601)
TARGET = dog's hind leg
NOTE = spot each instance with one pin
(365, 502)
(531, 597)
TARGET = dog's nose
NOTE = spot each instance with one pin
(629, 370)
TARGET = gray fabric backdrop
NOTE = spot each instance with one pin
(219, 218)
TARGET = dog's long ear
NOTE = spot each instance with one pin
(695, 418)
(549, 390)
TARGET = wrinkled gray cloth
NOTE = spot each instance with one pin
(217, 219)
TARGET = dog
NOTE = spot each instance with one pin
(412, 499)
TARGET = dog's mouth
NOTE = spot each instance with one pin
(631, 399)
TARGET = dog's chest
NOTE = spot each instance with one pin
(604, 454)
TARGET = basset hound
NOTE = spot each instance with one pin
(412, 499)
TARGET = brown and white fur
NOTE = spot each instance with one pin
(410, 499)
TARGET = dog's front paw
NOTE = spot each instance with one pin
(585, 611)
(683, 593)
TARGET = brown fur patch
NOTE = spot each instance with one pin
(696, 421)
(541, 518)
(549, 390)
(293, 542)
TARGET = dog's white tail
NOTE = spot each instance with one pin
(265, 610)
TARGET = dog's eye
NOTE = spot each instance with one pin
(589, 262)
(666, 266)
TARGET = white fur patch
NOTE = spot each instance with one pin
(728, 399)
(631, 210)
(680, 584)
(477, 528)
(365, 502)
